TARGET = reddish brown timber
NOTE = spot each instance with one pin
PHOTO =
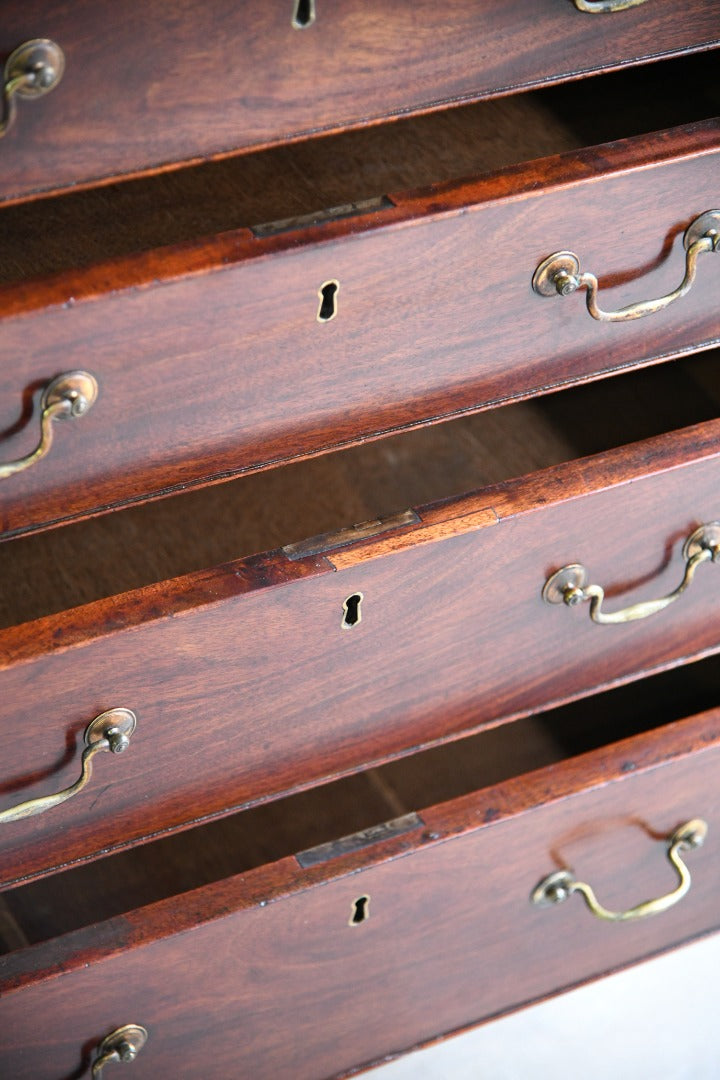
(211, 361)
(451, 938)
(158, 86)
(246, 684)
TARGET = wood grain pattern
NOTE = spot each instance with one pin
(55, 905)
(211, 361)
(154, 86)
(60, 903)
(246, 686)
(213, 525)
(46, 236)
(451, 939)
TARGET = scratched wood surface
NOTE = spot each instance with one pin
(231, 664)
(451, 936)
(211, 360)
(153, 86)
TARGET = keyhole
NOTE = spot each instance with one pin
(304, 14)
(360, 911)
(352, 614)
(328, 301)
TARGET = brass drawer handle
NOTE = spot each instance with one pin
(33, 69)
(597, 7)
(557, 886)
(110, 730)
(569, 584)
(124, 1044)
(67, 397)
(559, 274)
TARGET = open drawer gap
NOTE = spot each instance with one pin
(319, 175)
(67, 567)
(325, 814)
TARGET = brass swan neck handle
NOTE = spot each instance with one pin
(32, 70)
(111, 731)
(558, 886)
(599, 7)
(569, 584)
(560, 275)
(122, 1045)
(67, 397)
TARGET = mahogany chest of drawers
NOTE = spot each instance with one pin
(329, 795)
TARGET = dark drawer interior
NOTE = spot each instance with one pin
(75, 898)
(52, 571)
(306, 178)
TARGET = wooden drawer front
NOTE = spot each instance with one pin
(261, 975)
(206, 374)
(246, 684)
(155, 86)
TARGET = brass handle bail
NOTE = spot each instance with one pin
(67, 397)
(598, 7)
(123, 1045)
(559, 274)
(111, 731)
(569, 584)
(32, 70)
(558, 886)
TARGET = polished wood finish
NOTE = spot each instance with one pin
(246, 685)
(209, 526)
(59, 903)
(211, 361)
(451, 939)
(88, 226)
(160, 85)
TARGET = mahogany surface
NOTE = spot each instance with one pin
(211, 361)
(90, 225)
(246, 686)
(151, 84)
(260, 975)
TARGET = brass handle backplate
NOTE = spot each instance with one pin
(66, 397)
(32, 70)
(559, 274)
(123, 1045)
(561, 884)
(110, 730)
(597, 7)
(569, 584)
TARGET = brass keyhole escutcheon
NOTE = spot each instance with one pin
(352, 611)
(327, 294)
(360, 910)
(303, 14)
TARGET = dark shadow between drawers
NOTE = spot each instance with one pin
(68, 567)
(76, 230)
(187, 860)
